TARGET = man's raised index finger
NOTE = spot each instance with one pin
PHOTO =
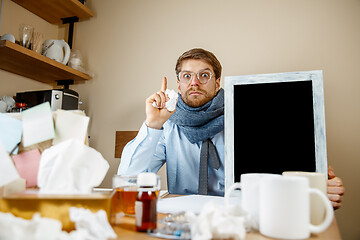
(164, 84)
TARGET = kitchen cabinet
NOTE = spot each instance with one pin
(25, 62)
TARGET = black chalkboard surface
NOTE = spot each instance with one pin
(274, 122)
(273, 128)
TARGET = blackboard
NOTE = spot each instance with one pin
(274, 128)
(274, 123)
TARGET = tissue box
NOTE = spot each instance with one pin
(26, 203)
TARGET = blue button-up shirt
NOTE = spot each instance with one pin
(152, 148)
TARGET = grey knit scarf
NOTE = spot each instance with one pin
(201, 123)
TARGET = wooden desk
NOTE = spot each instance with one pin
(126, 230)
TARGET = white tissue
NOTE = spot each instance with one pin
(38, 228)
(218, 222)
(89, 226)
(96, 224)
(170, 105)
(71, 167)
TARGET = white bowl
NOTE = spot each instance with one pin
(9, 37)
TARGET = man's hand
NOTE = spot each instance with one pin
(335, 189)
(156, 117)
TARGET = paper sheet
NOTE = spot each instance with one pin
(192, 203)
(38, 124)
(10, 132)
(70, 125)
(27, 164)
(8, 171)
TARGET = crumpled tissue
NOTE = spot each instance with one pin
(170, 105)
(89, 226)
(96, 224)
(71, 167)
(218, 222)
(38, 228)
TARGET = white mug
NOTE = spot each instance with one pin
(285, 208)
(250, 186)
(319, 181)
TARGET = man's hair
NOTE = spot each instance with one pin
(199, 53)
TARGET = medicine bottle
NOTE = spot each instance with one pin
(145, 205)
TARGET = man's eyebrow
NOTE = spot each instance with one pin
(199, 70)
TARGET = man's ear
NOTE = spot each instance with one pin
(178, 86)
(217, 84)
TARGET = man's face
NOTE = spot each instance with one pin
(194, 93)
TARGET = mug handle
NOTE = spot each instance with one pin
(329, 212)
(67, 52)
(228, 192)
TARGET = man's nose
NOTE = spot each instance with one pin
(195, 81)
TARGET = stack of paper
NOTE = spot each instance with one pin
(24, 136)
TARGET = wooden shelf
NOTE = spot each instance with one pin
(22, 61)
(19, 60)
(54, 10)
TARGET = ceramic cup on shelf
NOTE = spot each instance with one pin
(57, 50)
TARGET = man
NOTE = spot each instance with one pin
(190, 135)
(199, 116)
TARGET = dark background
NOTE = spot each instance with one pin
(273, 128)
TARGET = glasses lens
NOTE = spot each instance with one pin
(204, 76)
(185, 76)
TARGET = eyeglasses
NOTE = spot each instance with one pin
(203, 76)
